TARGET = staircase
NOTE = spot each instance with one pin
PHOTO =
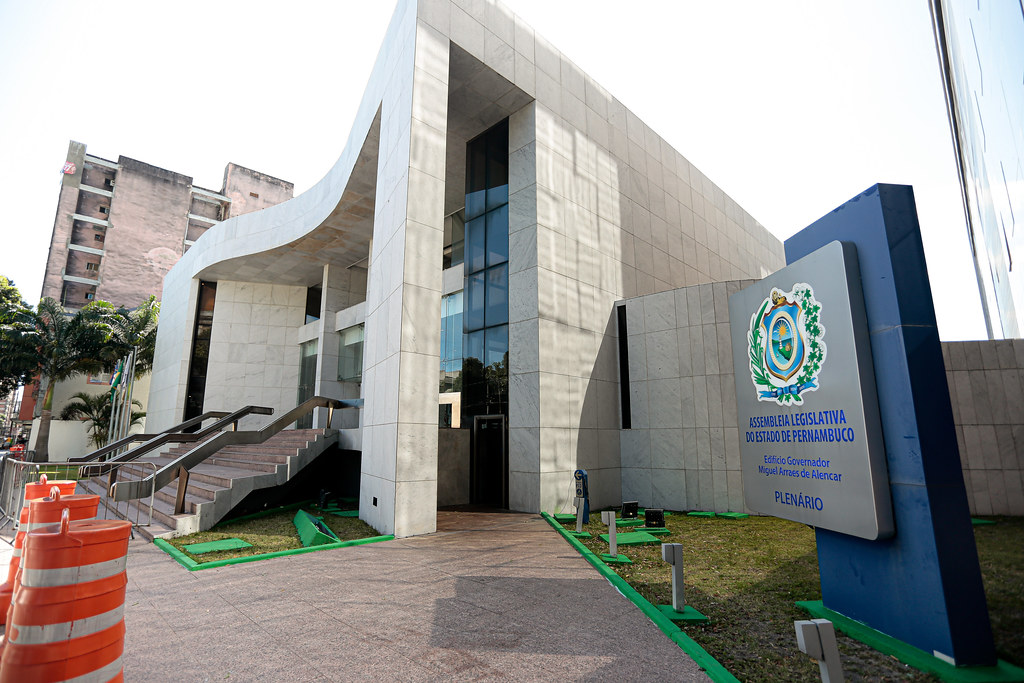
(219, 483)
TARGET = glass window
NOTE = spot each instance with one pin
(496, 196)
(313, 296)
(484, 373)
(496, 312)
(454, 240)
(496, 345)
(475, 345)
(497, 236)
(307, 380)
(350, 354)
(476, 204)
(476, 241)
(474, 292)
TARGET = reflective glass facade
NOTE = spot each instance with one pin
(485, 295)
(981, 46)
(350, 354)
(451, 343)
(200, 357)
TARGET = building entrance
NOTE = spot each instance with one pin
(488, 471)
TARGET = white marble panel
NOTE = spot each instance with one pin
(524, 400)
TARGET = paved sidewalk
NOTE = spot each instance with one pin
(488, 597)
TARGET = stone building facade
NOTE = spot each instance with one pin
(491, 206)
(120, 226)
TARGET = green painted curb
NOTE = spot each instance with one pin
(733, 515)
(711, 666)
(1003, 672)
(982, 522)
(699, 513)
(191, 565)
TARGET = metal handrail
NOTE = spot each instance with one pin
(180, 466)
(131, 438)
(167, 437)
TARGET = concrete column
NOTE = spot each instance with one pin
(403, 303)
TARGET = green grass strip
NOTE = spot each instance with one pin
(1003, 671)
(705, 661)
(191, 565)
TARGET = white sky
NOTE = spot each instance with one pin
(792, 107)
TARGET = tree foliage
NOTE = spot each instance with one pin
(55, 345)
(96, 409)
(17, 357)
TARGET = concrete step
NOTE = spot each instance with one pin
(210, 490)
(241, 461)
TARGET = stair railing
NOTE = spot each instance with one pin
(167, 436)
(99, 453)
(179, 467)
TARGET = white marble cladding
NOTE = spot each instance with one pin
(169, 379)
(683, 450)
(601, 209)
(986, 389)
(254, 352)
(343, 290)
(398, 482)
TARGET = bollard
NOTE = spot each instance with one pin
(817, 639)
(33, 491)
(608, 517)
(673, 554)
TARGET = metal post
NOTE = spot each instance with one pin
(179, 501)
(817, 639)
(330, 415)
(608, 517)
(673, 554)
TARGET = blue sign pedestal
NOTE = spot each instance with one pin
(923, 585)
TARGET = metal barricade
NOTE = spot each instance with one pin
(14, 474)
(92, 478)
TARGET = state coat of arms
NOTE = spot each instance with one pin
(785, 347)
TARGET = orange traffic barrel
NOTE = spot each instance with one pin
(67, 619)
(33, 491)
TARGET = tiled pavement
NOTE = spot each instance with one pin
(488, 597)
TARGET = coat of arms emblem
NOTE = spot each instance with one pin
(785, 347)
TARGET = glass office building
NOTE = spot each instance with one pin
(981, 51)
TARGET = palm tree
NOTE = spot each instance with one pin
(132, 329)
(65, 345)
(96, 408)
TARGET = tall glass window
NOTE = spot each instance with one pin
(200, 358)
(485, 322)
(350, 354)
(454, 239)
(451, 343)
(307, 380)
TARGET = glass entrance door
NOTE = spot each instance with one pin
(488, 470)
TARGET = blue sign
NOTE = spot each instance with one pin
(923, 585)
